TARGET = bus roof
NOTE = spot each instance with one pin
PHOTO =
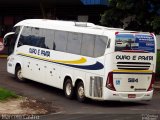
(65, 25)
(82, 27)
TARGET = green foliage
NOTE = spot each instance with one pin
(112, 21)
(146, 15)
(158, 65)
(156, 23)
(6, 94)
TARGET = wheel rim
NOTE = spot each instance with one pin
(19, 75)
(81, 91)
(68, 89)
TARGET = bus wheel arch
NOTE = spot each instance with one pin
(80, 91)
(68, 87)
(18, 73)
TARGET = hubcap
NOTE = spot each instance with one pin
(81, 92)
(68, 88)
(19, 75)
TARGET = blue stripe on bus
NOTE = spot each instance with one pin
(96, 66)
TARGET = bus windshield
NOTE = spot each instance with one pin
(135, 42)
(10, 39)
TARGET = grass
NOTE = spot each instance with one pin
(158, 65)
(6, 94)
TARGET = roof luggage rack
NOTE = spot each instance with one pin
(84, 24)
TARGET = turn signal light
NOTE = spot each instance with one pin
(152, 82)
(109, 83)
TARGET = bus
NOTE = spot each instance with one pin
(83, 59)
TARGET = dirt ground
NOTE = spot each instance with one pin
(26, 106)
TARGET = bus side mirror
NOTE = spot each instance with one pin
(6, 38)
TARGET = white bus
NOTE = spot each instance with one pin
(84, 59)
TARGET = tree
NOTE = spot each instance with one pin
(143, 15)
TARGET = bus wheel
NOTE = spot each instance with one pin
(68, 89)
(80, 92)
(18, 74)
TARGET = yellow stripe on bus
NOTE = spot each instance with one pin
(134, 71)
(79, 61)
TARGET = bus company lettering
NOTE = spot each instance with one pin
(145, 58)
(127, 57)
(123, 57)
(39, 52)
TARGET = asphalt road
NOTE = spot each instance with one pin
(72, 109)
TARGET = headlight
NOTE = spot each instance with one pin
(8, 58)
(11, 59)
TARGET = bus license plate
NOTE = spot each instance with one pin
(131, 95)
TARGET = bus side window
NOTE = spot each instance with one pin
(20, 43)
(48, 36)
(61, 40)
(88, 42)
(100, 46)
(16, 30)
(74, 43)
(25, 37)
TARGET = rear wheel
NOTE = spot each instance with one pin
(18, 74)
(68, 88)
(80, 92)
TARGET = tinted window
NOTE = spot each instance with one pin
(74, 43)
(25, 36)
(100, 46)
(60, 40)
(37, 37)
(49, 39)
(11, 39)
(88, 45)
(16, 30)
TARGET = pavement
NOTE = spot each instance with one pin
(156, 84)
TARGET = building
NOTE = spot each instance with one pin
(13, 11)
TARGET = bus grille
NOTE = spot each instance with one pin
(134, 65)
(96, 86)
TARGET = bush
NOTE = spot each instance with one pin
(158, 65)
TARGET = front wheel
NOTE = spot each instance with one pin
(80, 92)
(18, 74)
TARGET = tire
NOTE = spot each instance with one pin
(80, 92)
(68, 89)
(18, 74)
